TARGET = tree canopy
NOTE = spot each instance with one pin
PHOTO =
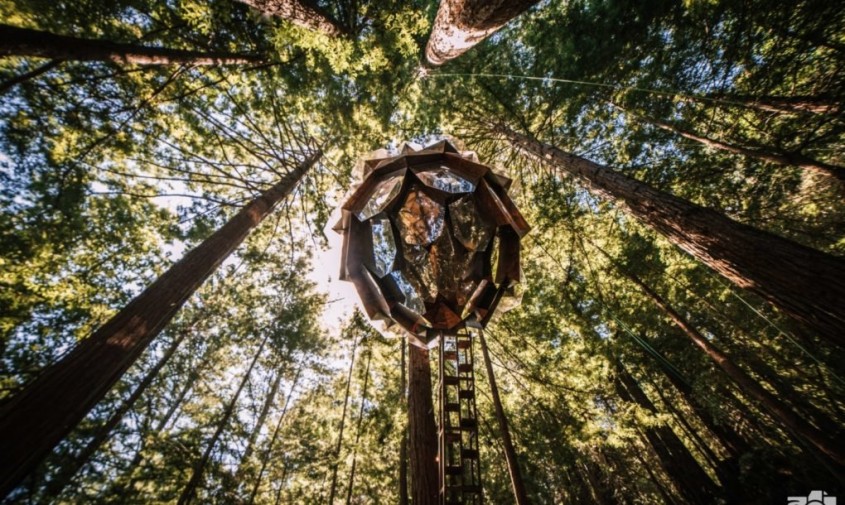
(638, 369)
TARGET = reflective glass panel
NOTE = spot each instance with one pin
(412, 298)
(421, 219)
(384, 246)
(469, 227)
(444, 179)
(419, 270)
(384, 193)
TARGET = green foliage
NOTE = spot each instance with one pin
(109, 172)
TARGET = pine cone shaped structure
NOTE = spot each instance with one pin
(431, 241)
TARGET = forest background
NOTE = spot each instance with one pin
(113, 166)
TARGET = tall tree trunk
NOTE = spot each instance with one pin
(358, 430)
(727, 469)
(403, 447)
(42, 414)
(461, 24)
(779, 158)
(66, 474)
(304, 13)
(269, 399)
(276, 431)
(517, 484)
(422, 429)
(785, 104)
(16, 41)
(339, 445)
(134, 468)
(661, 488)
(592, 475)
(198, 469)
(35, 72)
(691, 479)
(682, 419)
(730, 440)
(805, 283)
(780, 412)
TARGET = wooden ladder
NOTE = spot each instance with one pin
(460, 470)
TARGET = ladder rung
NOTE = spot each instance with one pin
(453, 380)
(464, 367)
(464, 344)
(469, 424)
(453, 469)
(453, 407)
(466, 394)
(450, 355)
(452, 437)
(469, 454)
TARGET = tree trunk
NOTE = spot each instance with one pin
(461, 24)
(732, 442)
(785, 104)
(198, 469)
(276, 382)
(32, 74)
(727, 469)
(692, 481)
(266, 456)
(336, 454)
(16, 41)
(517, 484)
(779, 158)
(358, 430)
(403, 447)
(805, 283)
(66, 474)
(304, 13)
(780, 412)
(134, 469)
(41, 415)
(422, 429)
(681, 418)
(601, 494)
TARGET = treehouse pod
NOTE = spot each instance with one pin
(431, 241)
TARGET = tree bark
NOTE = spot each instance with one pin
(32, 74)
(806, 284)
(661, 488)
(339, 445)
(730, 440)
(422, 429)
(134, 475)
(676, 459)
(358, 430)
(779, 158)
(276, 431)
(517, 484)
(780, 412)
(304, 13)
(198, 469)
(16, 41)
(461, 24)
(276, 382)
(46, 410)
(66, 474)
(784, 104)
